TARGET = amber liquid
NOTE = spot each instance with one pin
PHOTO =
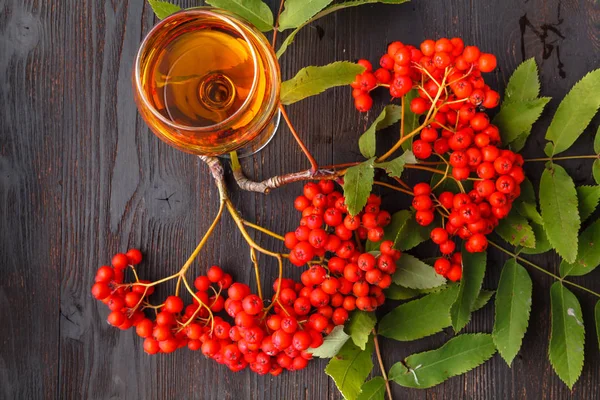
(199, 72)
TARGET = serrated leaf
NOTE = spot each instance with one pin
(358, 182)
(332, 343)
(412, 234)
(527, 192)
(597, 141)
(513, 305)
(482, 299)
(328, 11)
(574, 113)
(588, 256)
(399, 219)
(404, 231)
(388, 117)
(312, 80)
(558, 203)
(360, 326)
(255, 11)
(415, 274)
(426, 316)
(567, 335)
(542, 244)
(419, 318)
(411, 120)
(518, 144)
(457, 356)
(162, 9)
(373, 389)
(518, 117)
(530, 211)
(397, 292)
(298, 12)
(350, 367)
(588, 198)
(473, 265)
(395, 167)
(516, 230)
(524, 83)
(597, 317)
(596, 171)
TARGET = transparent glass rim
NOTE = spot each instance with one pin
(231, 22)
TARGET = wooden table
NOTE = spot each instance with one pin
(81, 178)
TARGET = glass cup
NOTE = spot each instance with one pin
(207, 82)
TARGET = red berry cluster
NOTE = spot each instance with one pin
(403, 65)
(265, 339)
(355, 279)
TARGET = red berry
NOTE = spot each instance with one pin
(120, 261)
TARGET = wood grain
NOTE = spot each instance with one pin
(81, 177)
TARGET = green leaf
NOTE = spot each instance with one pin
(399, 219)
(574, 113)
(524, 83)
(527, 192)
(482, 299)
(529, 211)
(395, 167)
(473, 265)
(328, 11)
(360, 326)
(162, 9)
(350, 367)
(397, 292)
(415, 274)
(558, 202)
(597, 141)
(255, 11)
(373, 389)
(388, 117)
(542, 244)
(516, 230)
(518, 144)
(298, 12)
(312, 80)
(567, 335)
(411, 120)
(404, 231)
(513, 305)
(596, 171)
(597, 314)
(518, 117)
(457, 356)
(412, 234)
(358, 182)
(588, 198)
(332, 343)
(419, 318)
(588, 257)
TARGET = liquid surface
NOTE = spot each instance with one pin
(202, 77)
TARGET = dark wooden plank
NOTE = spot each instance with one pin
(31, 83)
(99, 182)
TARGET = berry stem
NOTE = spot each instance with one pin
(558, 278)
(430, 115)
(402, 101)
(595, 156)
(381, 366)
(313, 163)
(276, 27)
(263, 230)
(396, 188)
(256, 271)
